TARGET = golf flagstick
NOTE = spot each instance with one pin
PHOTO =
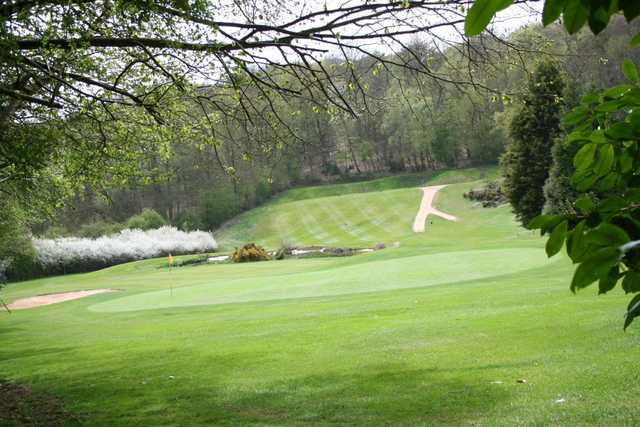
(170, 261)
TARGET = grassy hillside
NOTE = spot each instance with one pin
(357, 214)
(441, 330)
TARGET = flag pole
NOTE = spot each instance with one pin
(170, 261)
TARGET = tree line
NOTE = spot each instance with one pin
(406, 121)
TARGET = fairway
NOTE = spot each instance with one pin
(467, 323)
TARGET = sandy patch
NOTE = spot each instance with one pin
(426, 208)
(48, 299)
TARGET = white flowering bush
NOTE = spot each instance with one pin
(76, 254)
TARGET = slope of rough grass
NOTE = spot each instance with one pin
(390, 183)
(440, 331)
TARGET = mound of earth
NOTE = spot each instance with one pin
(19, 405)
(47, 299)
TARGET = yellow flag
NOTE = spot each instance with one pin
(170, 260)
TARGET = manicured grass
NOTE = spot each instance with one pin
(436, 331)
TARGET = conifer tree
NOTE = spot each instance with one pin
(533, 131)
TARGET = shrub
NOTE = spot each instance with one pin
(148, 219)
(263, 191)
(490, 195)
(55, 231)
(74, 254)
(249, 253)
(219, 206)
(98, 229)
(17, 254)
(188, 221)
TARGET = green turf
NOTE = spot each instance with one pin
(435, 331)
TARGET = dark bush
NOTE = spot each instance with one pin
(17, 255)
(263, 191)
(189, 221)
(99, 228)
(148, 219)
(490, 195)
(219, 206)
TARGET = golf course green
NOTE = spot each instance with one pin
(467, 323)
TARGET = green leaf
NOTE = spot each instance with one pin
(585, 156)
(610, 106)
(620, 131)
(607, 234)
(554, 244)
(604, 160)
(585, 204)
(539, 221)
(626, 161)
(635, 41)
(594, 267)
(630, 71)
(631, 9)
(617, 91)
(584, 179)
(633, 310)
(576, 136)
(575, 15)
(481, 13)
(598, 19)
(631, 282)
(634, 120)
(609, 181)
(598, 137)
(577, 244)
(552, 10)
(609, 281)
(590, 98)
(574, 117)
(611, 206)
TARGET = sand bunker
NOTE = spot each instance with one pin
(48, 299)
(426, 208)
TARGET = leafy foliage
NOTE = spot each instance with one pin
(603, 236)
(16, 250)
(575, 13)
(533, 130)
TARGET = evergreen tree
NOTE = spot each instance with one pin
(533, 130)
(559, 194)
